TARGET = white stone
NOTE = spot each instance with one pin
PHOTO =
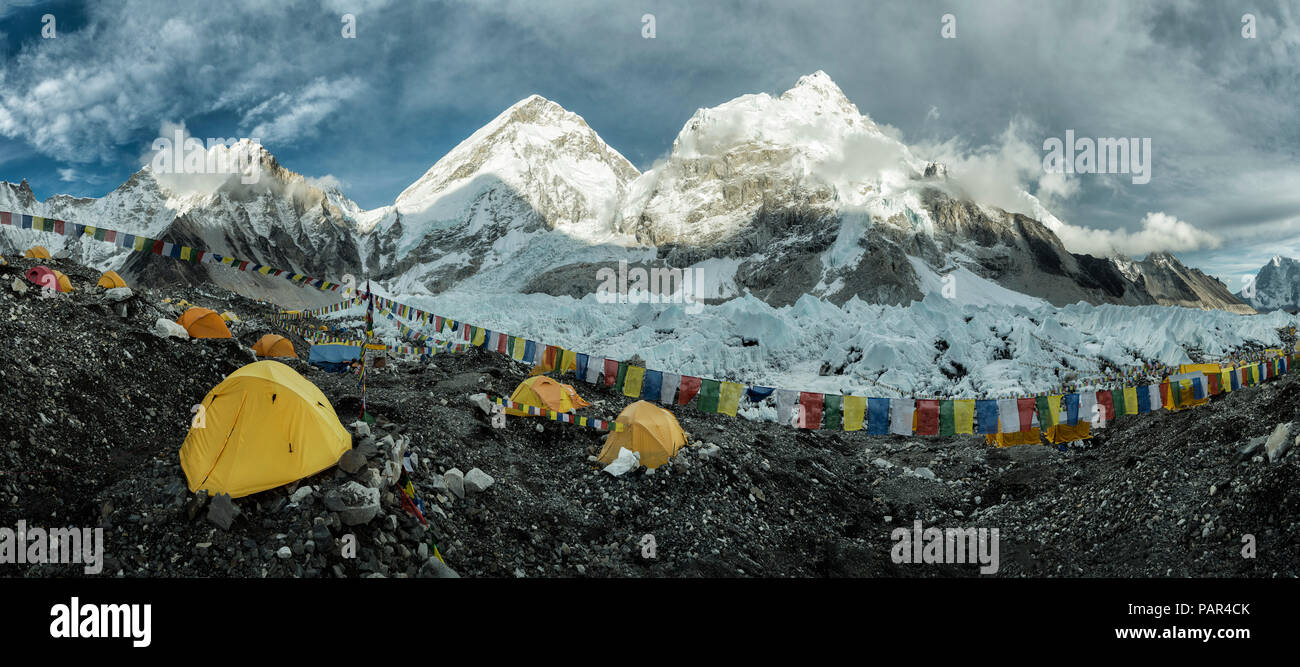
(455, 480)
(165, 327)
(477, 481)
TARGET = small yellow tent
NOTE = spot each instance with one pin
(272, 345)
(203, 323)
(1031, 437)
(229, 317)
(1066, 433)
(264, 426)
(543, 392)
(65, 283)
(37, 252)
(110, 279)
(651, 430)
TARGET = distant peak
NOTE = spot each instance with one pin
(818, 82)
(535, 103)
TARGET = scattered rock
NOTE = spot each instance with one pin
(455, 481)
(351, 461)
(355, 504)
(436, 569)
(222, 511)
(118, 294)
(165, 328)
(477, 481)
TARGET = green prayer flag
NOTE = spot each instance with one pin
(947, 421)
(831, 413)
(1044, 412)
(1117, 399)
(709, 391)
(622, 375)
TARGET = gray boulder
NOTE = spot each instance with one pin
(355, 504)
(455, 480)
(436, 569)
(477, 481)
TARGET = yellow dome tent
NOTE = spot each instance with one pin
(110, 279)
(542, 392)
(264, 426)
(272, 345)
(65, 283)
(651, 430)
(203, 323)
(1030, 437)
(37, 252)
(1081, 430)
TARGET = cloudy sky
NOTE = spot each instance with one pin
(79, 111)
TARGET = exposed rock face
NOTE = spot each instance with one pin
(1172, 284)
(1277, 286)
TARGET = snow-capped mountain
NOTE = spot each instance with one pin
(1277, 286)
(532, 187)
(277, 219)
(779, 197)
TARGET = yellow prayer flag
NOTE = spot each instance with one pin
(729, 397)
(1130, 400)
(855, 408)
(963, 415)
(632, 381)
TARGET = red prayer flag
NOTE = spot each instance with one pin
(927, 417)
(1026, 407)
(811, 402)
(686, 392)
(611, 372)
(1108, 405)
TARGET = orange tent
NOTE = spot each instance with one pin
(110, 279)
(203, 323)
(65, 284)
(543, 392)
(37, 252)
(651, 430)
(272, 345)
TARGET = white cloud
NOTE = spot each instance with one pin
(1157, 232)
(296, 115)
(326, 182)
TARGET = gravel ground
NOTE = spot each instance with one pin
(96, 407)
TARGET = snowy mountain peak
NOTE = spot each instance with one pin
(818, 85)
